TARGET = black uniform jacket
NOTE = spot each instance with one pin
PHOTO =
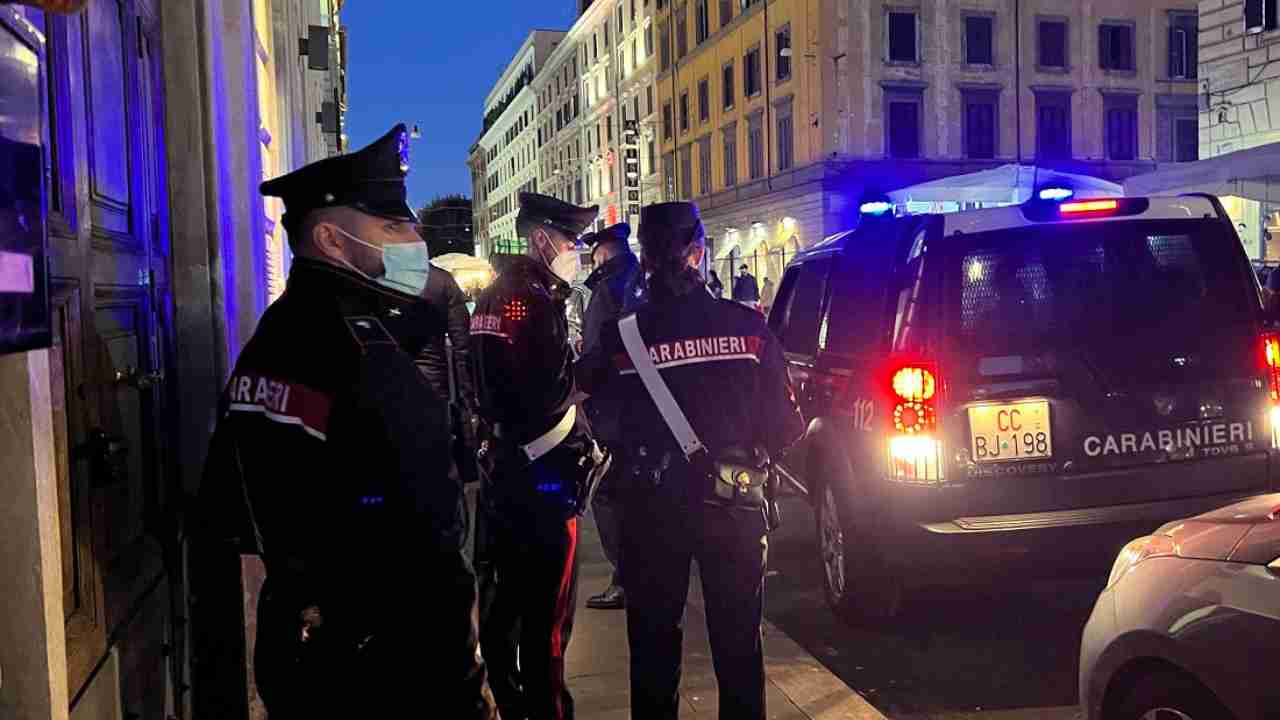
(444, 295)
(722, 364)
(341, 448)
(520, 350)
(609, 285)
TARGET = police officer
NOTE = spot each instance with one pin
(540, 463)
(616, 269)
(331, 459)
(726, 373)
(447, 367)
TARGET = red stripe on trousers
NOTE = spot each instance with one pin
(562, 613)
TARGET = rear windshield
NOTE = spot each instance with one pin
(1055, 286)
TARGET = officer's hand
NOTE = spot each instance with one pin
(311, 620)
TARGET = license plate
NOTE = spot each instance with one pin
(1011, 431)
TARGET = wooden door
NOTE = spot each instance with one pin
(107, 252)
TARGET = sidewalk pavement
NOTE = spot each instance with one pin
(799, 687)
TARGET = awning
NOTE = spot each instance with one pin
(453, 262)
(467, 270)
(1253, 173)
(1010, 183)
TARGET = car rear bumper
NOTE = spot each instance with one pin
(1159, 512)
(1081, 542)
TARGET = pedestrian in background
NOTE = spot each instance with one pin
(715, 286)
(767, 293)
(745, 289)
(331, 460)
(1271, 294)
(540, 463)
(697, 492)
(616, 268)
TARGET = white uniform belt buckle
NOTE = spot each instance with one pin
(553, 437)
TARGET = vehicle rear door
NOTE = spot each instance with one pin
(1103, 364)
(796, 319)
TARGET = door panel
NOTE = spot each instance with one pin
(78, 509)
(120, 319)
(108, 112)
(108, 208)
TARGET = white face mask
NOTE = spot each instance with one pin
(564, 265)
(407, 265)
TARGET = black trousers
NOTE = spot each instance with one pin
(528, 594)
(660, 537)
(607, 509)
(375, 672)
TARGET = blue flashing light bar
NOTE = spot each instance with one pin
(1054, 193)
(878, 207)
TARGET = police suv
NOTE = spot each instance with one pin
(1022, 388)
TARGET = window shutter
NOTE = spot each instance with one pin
(1254, 19)
(1104, 46)
(1176, 54)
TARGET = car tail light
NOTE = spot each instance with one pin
(915, 450)
(1271, 366)
(1271, 358)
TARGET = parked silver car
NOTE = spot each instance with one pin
(1188, 627)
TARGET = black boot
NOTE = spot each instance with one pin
(613, 598)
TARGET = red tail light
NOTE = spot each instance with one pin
(1271, 364)
(915, 388)
(915, 450)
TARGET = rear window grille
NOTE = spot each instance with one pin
(1000, 289)
(1176, 258)
(1069, 284)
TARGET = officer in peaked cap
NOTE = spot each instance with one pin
(726, 373)
(331, 460)
(540, 463)
(612, 285)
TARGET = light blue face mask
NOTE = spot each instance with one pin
(407, 265)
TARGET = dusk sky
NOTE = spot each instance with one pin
(432, 63)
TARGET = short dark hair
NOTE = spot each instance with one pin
(299, 229)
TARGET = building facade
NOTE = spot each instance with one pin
(156, 124)
(614, 42)
(777, 115)
(1239, 46)
(509, 141)
(559, 140)
(593, 118)
(745, 90)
